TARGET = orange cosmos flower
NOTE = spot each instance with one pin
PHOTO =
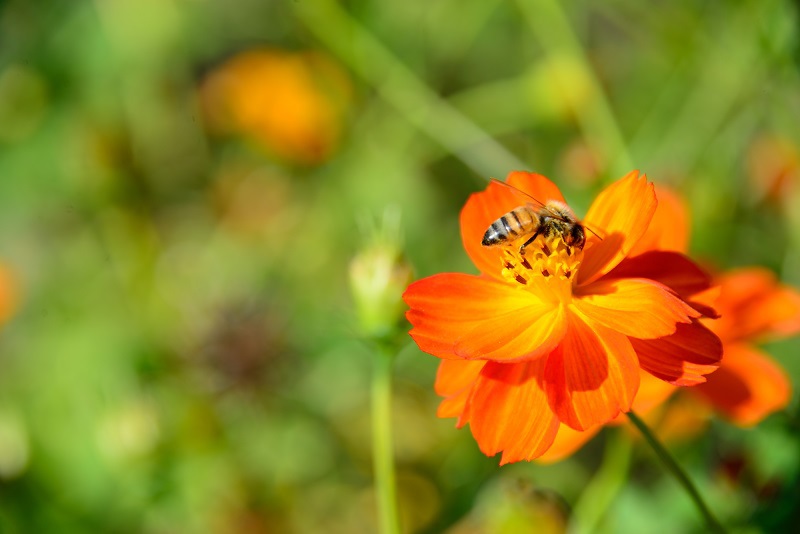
(558, 336)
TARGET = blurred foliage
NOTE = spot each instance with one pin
(180, 352)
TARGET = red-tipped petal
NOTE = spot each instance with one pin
(462, 316)
(620, 214)
(748, 386)
(672, 269)
(683, 358)
(636, 307)
(483, 208)
(592, 376)
(675, 271)
(508, 411)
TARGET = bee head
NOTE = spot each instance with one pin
(576, 237)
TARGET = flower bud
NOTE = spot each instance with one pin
(378, 277)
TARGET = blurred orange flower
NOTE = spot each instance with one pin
(558, 337)
(753, 306)
(748, 385)
(292, 103)
(8, 294)
(773, 165)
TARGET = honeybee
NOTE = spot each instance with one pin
(534, 219)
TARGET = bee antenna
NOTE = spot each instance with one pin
(595, 233)
(518, 191)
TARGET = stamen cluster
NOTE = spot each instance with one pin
(547, 256)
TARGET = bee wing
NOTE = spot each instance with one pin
(537, 204)
(524, 197)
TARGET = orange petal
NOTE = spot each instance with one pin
(453, 376)
(592, 376)
(462, 316)
(454, 381)
(787, 322)
(669, 228)
(483, 208)
(740, 286)
(748, 386)
(683, 358)
(524, 333)
(620, 214)
(752, 303)
(633, 306)
(508, 411)
(567, 442)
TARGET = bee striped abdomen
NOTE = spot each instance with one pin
(517, 222)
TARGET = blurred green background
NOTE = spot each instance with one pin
(183, 184)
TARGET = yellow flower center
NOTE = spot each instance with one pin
(546, 260)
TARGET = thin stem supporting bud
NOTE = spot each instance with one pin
(378, 276)
(382, 446)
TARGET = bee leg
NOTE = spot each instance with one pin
(530, 240)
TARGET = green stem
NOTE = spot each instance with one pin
(382, 447)
(677, 471)
(402, 88)
(604, 486)
(557, 37)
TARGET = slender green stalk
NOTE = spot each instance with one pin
(382, 447)
(732, 65)
(402, 88)
(596, 498)
(557, 37)
(677, 471)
